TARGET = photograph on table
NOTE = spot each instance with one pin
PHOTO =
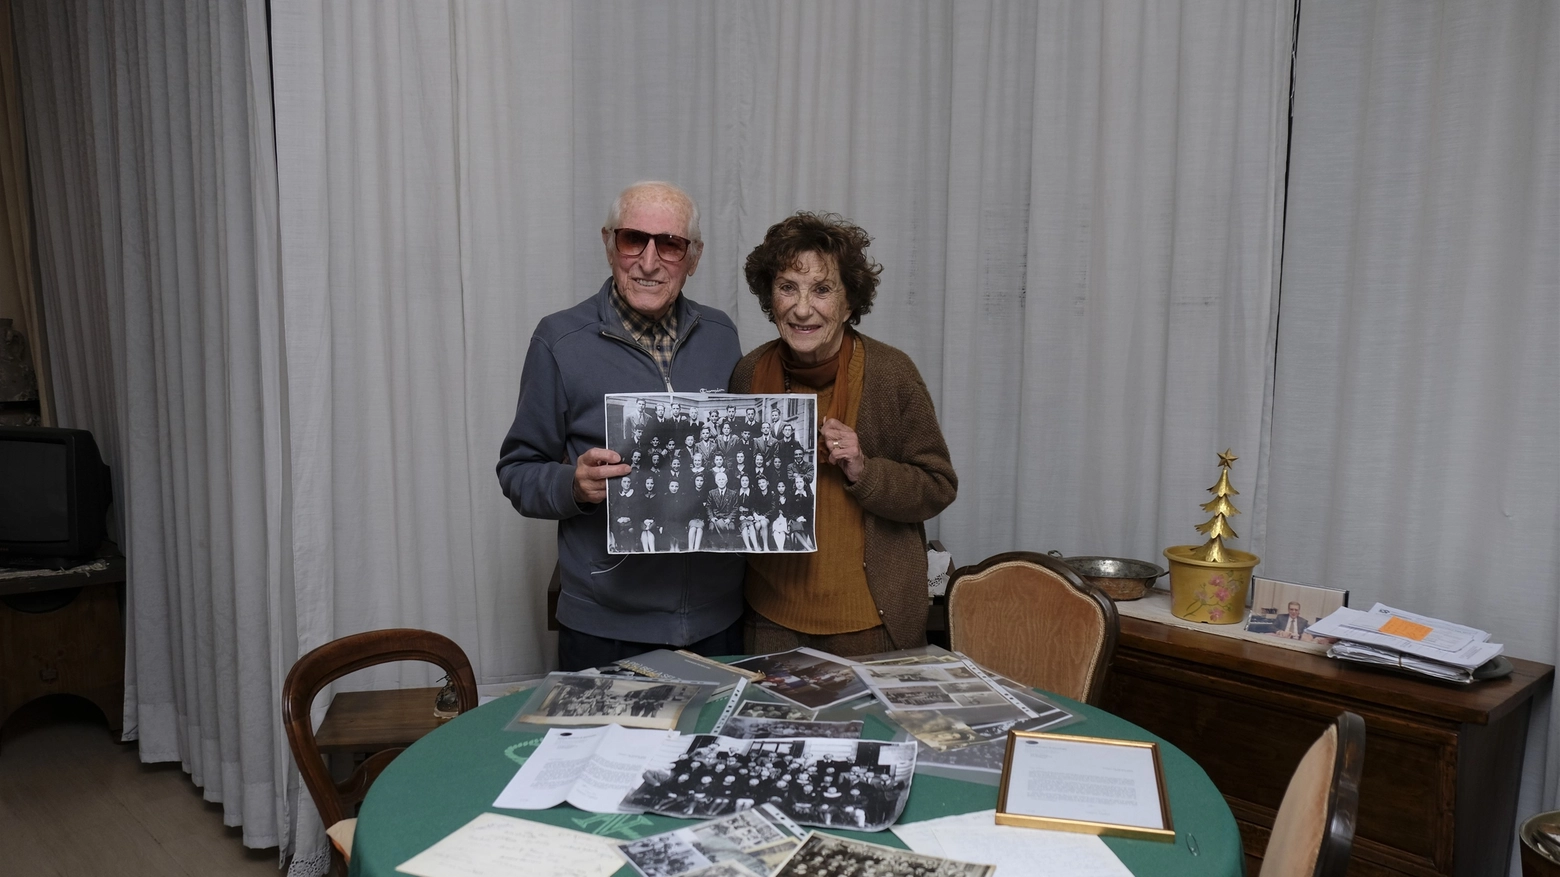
(726, 869)
(825, 854)
(980, 761)
(806, 677)
(753, 840)
(588, 699)
(1285, 610)
(712, 472)
(930, 686)
(860, 785)
(938, 730)
(756, 709)
(749, 728)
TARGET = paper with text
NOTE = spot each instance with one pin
(591, 768)
(493, 845)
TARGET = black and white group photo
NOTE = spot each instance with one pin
(712, 472)
(826, 854)
(585, 700)
(744, 840)
(860, 785)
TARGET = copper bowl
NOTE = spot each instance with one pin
(1119, 577)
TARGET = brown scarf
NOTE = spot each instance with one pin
(769, 374)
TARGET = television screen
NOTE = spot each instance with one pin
(54, 495)
(34, 507)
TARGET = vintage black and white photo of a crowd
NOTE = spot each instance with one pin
(860, 785)
(712, 472)
(595, 700)
(823, 854)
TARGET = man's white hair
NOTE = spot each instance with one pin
(670, 191)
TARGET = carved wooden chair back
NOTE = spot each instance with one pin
(324, 665)
(1314, 830)
(1030, 617)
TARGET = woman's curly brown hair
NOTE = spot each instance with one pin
(827, 234)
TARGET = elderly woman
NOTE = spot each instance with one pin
(884, 464)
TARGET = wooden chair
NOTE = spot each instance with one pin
(1314, 829)
(337, 802)
(1030, 617)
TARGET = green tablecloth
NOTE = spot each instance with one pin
(447, 778)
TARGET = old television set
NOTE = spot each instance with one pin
(54, 496)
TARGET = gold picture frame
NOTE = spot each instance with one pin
(1117, 756)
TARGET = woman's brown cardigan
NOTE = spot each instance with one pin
(907, 478)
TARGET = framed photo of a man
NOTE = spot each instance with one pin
(712, 472)
(1286, 610)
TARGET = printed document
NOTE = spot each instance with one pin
(591, 768)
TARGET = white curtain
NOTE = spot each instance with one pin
(1416, 416)
(149, 134)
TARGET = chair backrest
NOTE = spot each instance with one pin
(330, 662)
(1314, 829)
(1030, 617)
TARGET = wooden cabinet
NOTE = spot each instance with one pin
(64, 634)
(1442, 762)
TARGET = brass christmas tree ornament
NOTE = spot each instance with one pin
(1217, 528)
(1208, 582)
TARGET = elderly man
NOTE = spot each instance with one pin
(637, 334)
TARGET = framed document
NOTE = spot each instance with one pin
(1085, 784)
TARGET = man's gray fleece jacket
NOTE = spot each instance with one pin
(576, 357)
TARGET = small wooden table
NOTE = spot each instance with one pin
(74, 644)
(364, 722)
(1442, 762)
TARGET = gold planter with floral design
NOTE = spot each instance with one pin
(1209, 591)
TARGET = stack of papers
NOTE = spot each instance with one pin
(1418, 643)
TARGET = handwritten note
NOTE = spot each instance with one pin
(501, 846)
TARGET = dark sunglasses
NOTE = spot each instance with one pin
(632, 242)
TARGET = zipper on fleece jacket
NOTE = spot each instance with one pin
(677, 344)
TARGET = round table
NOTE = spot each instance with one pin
(445, 779)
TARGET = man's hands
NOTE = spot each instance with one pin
(844, 451)
(591, 472)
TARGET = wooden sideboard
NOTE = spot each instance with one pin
(1442, 762)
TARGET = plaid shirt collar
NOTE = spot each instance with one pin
(656, 337)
